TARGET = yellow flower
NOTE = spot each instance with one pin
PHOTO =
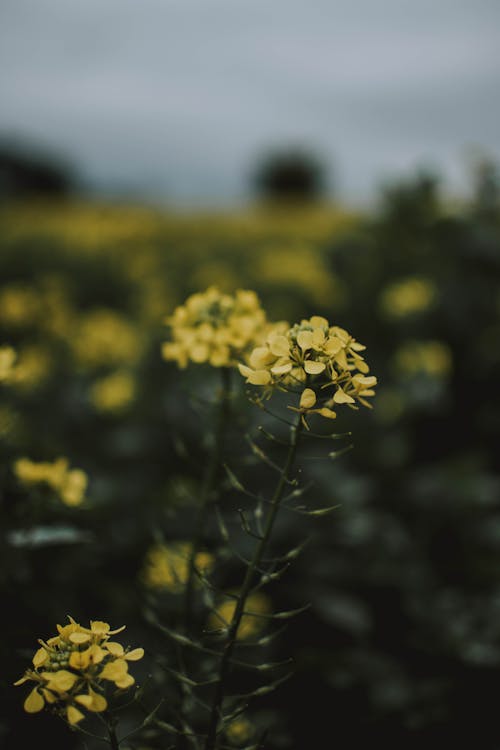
(71, 670)
(104, 337)
(321, 362)
(167, 566)
(251, 624)
(215, 328)
(114, 392)
(69, 484)
(407, 297)
(7, 362)
(432, 358)
(239, 731)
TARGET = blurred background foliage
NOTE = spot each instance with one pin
(402, 640)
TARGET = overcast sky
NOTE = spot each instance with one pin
(177, 98)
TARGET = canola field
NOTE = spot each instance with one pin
(104, 441)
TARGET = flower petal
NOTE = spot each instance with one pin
(342, 398)
(34, 702)
(114, 648)
(74, 715)
(326, 412)
(313, 368)
(279, 346)
(305, 340)
(135, 654)
(307, 399)
(281, 369)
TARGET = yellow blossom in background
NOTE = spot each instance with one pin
(71, 670)
(33, 367)
(215, 328)
(239, 731)
(7, 362)
(114, 392)
(251, 624)
(19, 306)
(167, 566)
(104, 337)
(69, 484)
(321, 362)
(300, 268)
(432, 358)
(407, 297)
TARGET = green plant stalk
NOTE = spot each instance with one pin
(259, 552)
(208, 484)
(113, 738)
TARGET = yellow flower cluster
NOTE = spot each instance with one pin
(71, 669)
(432, 358)
(251, 623)
(407, 297)
(104, 337)
(214, 327)
(69, 484)
(322, 361)
(167, 566)
(114, 392)
(7, 363)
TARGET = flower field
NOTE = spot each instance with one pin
(156, 373)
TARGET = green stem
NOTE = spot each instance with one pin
(254, 565)
(113, 739)
(207, 488)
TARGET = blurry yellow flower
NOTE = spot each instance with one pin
(239, 731)
(432, 358)
(71, 669)
(167, 566)
(104, 337)
(299, 267)
(32, 368)
(69, 484)
(7, 362)
(19, 306)
(322, 362)
(407, 297)
(215, 328)
(251, 624)
(114, 392)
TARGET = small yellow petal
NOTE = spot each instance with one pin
(259, 377)
(40, 657)
(80, 659)
(342, 398)
(114, 670)
(328, 413)
(281, 369)
(260, 357)
(317, 321)
(60, 681)
(74, 715)
(305, 340)
(125, 681)
(135, 654)
(279, 346)
(307, 399)
(34, 702)
(114, 648)
(79, 637)
(313, 368)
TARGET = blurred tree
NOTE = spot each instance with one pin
(24, 172)
(292, 174)
(486, 200)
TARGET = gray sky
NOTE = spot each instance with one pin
(176, 98)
